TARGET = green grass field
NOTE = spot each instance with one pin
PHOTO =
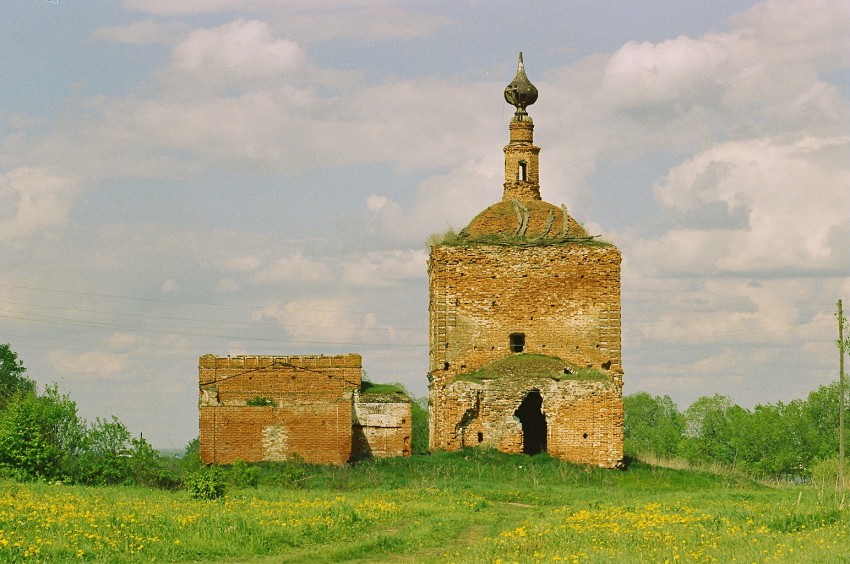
(472, 506)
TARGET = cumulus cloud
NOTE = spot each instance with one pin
(330, 320)
(793, 195)
(90, 365)
(318, 20)
(234, 53)
(34, 201)
(668, 73)
(383, 268)
(294, 268)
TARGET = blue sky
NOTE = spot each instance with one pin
(260, 177)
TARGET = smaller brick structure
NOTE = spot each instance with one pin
(270, 408)
(381, 425)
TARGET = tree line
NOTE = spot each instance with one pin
(770, 441)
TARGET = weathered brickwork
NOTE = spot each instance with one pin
(255, 408)
(381, 426)
(523, 278)
(565, 301)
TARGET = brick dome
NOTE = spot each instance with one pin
(505, 219)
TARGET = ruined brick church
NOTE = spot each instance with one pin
(525, 322)
(524, 348)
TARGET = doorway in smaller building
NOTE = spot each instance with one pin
(533, 423)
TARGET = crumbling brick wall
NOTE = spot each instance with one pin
(381, 426)
(564, 301)
(310, 411)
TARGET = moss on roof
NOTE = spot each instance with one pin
(531, 366)
(382, 393)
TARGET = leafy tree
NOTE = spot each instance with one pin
(105, 457)
(765, 441)
(820, 414)
(708, 430)
(12, 379)
(39, 435)
(651, 425)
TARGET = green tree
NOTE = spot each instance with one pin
(708, 430)
(12, 379)
(651, 425)
(820, 426)
(148, 466)
(766, 441)
(105, 456)
(40, 435)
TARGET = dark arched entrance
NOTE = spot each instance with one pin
(533, 423)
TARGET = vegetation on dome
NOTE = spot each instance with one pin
(453, 239)
(533, 366)
(518, 224)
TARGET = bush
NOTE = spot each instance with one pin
(825, 472)
(149, 468)
(206, 484)
(419, 426)
(40, 436)
(243, 475)
(105, 457)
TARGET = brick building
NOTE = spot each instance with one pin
(525, 322)
(256, 408)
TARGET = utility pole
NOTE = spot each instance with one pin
(841, 345)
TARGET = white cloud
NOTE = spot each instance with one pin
(319, 20)
(91, 364)
(383, 268)
(331, 320)
(792, 194)
(234, 53)
(296, 268)
(34, 201)
(227, 285)
(670, 72)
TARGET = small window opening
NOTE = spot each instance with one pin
(517, 341)
(522, 173)
(445, 366)
(480, 437)
(584, 436)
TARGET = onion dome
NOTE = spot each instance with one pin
(520, 93)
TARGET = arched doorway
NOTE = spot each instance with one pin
(533, 423)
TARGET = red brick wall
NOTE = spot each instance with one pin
(311, 413)
(565, 299)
